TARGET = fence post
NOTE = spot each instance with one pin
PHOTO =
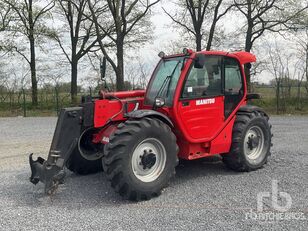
(24, 102)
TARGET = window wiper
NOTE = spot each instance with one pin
(166, 81)
(170, 77)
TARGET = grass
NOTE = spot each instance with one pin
(288, 106)
(47, 104)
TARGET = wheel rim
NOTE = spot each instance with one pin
(254, 143)
(149, 160)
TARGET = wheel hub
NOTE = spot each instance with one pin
(148, 159)
(253, 141)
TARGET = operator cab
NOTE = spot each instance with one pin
(202, 89)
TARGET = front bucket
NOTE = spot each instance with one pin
(65, 138)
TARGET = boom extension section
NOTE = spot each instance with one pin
(65, 139)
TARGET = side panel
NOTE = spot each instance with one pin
(220, 144)
(202, 117)
(113, 110)
(105, 109)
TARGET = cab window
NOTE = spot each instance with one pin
(233, 85)
(233, 78)
(204, 82)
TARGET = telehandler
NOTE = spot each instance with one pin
(195, 106)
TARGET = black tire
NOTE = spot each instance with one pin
(238, 158)
(80, 165)
(119, 158)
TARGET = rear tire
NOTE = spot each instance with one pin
(140, 158)
(251, 142)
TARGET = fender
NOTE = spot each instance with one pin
(138, 114)
(251, 108)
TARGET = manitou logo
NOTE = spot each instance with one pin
(205, 101)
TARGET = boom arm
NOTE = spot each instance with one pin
(64, 141)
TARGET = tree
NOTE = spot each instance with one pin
(277, 67)
(5, 16)
(300, 31)
(137, 74)
(28, 20)
(127, 25)
(266, 16)
(200, 14)
(82, 36)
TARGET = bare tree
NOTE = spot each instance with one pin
(29, 17)
(266, 16)
(137, 74)
(128, 25)
(200, 14)
(82, 36)
(288, 72)
(301, 38)
(5, 16)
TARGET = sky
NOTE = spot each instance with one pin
(164, 33)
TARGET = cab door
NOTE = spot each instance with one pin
(201, 105)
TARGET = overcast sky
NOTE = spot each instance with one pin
(164, 34)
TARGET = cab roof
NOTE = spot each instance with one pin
(243, 56)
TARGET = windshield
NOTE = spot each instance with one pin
(164, 70)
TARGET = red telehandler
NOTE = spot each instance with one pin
(195, 106)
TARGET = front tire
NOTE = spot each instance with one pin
(140, 158)
(86, 156)
(251, 142)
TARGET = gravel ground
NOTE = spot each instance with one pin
(203, 196)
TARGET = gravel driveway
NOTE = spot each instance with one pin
(203, 196)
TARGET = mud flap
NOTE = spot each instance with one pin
(65, 139)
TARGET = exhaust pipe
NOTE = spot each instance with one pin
(65, 138)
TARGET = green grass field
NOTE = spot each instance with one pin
(288, 105)
(48, 106)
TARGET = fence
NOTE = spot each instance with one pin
(283, 100)
(18, 103)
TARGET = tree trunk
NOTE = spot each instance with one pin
(248, 46)
(306, 69)
(33, 71)
(120, 66)
(248, 75)
(298, 101)
(74, 73)
(198, 41)
(277, 96)
(32, 55)
(211, 36)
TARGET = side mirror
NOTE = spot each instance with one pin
(199, 61)
(159, 102)
(103, 67)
